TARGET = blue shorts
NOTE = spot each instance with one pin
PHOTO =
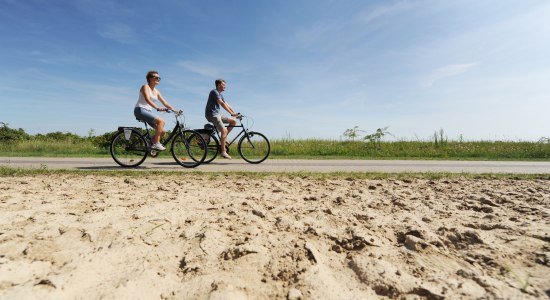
(145, 115)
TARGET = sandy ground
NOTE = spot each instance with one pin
(231, 237)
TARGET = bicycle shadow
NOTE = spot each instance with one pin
(109, 168)
(220, 163)
(168, 163)
(173, 163)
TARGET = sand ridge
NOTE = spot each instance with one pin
(238, 237)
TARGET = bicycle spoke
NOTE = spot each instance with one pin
(254, 147)
(128, 152)
(213, 146)
(189, 149)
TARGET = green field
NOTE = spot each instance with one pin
(57, 144)
(317, 149)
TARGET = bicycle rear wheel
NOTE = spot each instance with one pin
(189, 148)
(213, 149)
(254, 147)
(128, 148)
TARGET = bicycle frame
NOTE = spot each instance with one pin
(244, 130)
(246, 145)
(179, 127)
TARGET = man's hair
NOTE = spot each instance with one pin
(150, 75)
(218, 82)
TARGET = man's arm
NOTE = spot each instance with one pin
(226, 106)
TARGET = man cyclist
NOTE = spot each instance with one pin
(213, 114)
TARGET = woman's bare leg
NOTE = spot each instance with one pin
(159, 130)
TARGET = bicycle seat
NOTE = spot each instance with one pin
(140, 120)
(209, 126)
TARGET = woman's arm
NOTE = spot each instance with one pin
(164, 102)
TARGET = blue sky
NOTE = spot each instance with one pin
(301, 69)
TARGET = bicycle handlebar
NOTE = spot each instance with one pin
(176, 112)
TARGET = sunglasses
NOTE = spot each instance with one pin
(156, 77)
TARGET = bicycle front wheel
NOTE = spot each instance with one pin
(128, 148)
(189, 148)
(254, 147)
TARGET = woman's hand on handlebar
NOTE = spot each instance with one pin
(177, 112)
(170, 110)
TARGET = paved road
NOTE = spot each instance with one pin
(287, 165)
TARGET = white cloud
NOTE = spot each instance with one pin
(448, 71)
(372, 14)
(340, 33)
(104, 10)
(211, 71)
(118, 32)
(310, 35)
(201, 69)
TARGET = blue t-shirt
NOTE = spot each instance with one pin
(212, 106)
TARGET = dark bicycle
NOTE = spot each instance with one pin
(253, 146)
(130, 147)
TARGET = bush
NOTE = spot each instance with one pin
(10, 135)
(103, 141)
(59, 136)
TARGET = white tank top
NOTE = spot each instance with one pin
(142, 103)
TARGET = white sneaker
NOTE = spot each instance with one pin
(158, 146)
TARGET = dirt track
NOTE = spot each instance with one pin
(197, 236)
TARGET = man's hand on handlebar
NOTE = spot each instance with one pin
(237, 115)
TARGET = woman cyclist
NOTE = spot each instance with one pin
(149, 96)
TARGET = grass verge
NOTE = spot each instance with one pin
(8, 171)
(318, 149)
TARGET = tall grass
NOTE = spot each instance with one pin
(412, 149)
(319, 149)
(53, 148)
(358, 144)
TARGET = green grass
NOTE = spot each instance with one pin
(481, 150)
(52, 148)
(318, 149)
(9, 172)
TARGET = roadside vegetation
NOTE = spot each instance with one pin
(350, 176)
(354, 144)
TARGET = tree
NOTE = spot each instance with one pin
(377, 136)
(374, 138)
(351, 133)
(9, 135)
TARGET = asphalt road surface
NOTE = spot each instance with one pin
(290, 165)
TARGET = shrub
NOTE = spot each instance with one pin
(103, 141)
(59, 136)
(9, 135)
